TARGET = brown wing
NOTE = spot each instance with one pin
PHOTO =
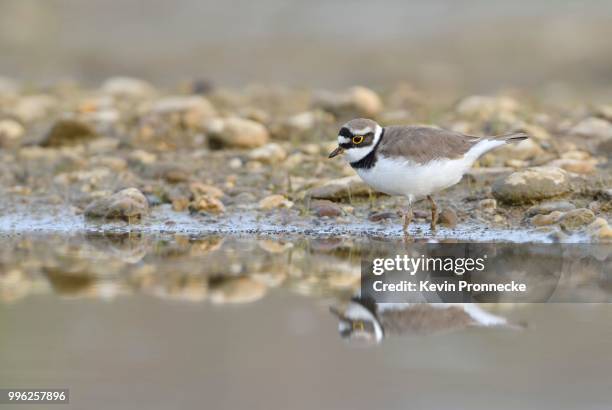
(424, 319)
(424, 144)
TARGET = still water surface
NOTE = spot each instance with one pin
(229, 323)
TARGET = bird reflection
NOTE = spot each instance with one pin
(362, 321)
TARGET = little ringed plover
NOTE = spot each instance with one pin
(412, 161)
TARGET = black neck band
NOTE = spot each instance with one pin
(369, 160)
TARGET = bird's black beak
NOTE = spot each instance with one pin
(337, 151)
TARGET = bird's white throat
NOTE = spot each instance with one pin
(357, 153)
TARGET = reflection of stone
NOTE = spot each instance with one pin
(369, 323)
(182, 287)
(127, 247)
(72, 284)
(236, 290)
(13, 285)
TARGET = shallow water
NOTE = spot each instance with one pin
(167, 321)
(42, 219)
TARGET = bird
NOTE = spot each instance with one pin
(412, 161)
(363, 321)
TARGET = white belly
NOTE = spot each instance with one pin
(397, 177)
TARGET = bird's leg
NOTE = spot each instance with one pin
(434, 212)
(407, 218)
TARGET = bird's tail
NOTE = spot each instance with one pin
(512, 137)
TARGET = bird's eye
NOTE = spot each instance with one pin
(357, 139)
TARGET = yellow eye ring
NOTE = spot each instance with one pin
(357, 139)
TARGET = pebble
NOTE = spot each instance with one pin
(448, 217)
(127, 204)
(341, 188)
(577, 166)
(127, 87)
(271, 153)
(274, 201)
(548, 207)
(142, 157)
(548, 219)
(199, 189)
(180, 204)
(576, 219)
(207, 204)
(531, 185)
(593, 127)
(523, 150)
(484, 107)
(487, 204)
(355, 102)
(381, 216)
(324, 207)
(236, 132)
(191, 111)
(600, 230)
(34, 107)
(10, 132)
(605, 112)
(68, 132)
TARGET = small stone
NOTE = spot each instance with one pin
(532, 184)
(142, 157)
(127, 204)
(355, 102)
(593, 127)
(10, 132)
(236, 132)
(237, 290)
(577, 219)
(600, 230)
(68, 132)
(191, 111)
(448, 217)
(341, 188)
(207, 204)
(487, 204)
(271, 153)
(381, 216)
(127, 87)
(34, 107)
(199, 189)
(324, 207)
(605, 112)
(549, 219)
(173, 174)
(548, 207)
(180, 204)
(302, 124)
(274, 201)
(235, 163)
(523, 150)
(577, 166)
(484, 107)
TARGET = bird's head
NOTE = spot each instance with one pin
(357, 324)
(357, 138)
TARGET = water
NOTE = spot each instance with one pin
(174, 321)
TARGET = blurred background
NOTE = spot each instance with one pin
(464, 46)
